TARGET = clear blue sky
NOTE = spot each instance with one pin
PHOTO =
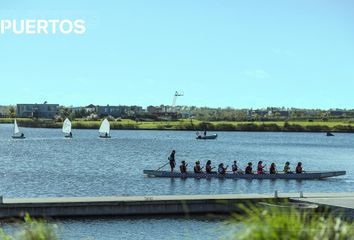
(219, 53)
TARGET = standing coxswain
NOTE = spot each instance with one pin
(172, 160)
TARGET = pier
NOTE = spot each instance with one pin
(164, 205)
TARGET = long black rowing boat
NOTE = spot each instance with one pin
(294, 176)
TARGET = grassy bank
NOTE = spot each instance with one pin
(197, 125)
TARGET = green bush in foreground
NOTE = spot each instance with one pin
(32, 230)
(276, 223)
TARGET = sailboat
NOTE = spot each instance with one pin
(67, 128)
(104, 129)
(17, 133)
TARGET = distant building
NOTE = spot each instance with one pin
(153, 109)
(336, 113)
(186, 114)
(282, 113)
(90, 108)
(136, 109)
(37, 110)
(104, 111)
(162, 109)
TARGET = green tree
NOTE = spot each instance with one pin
(12, 112)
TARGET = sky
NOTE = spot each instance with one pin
(227, 53)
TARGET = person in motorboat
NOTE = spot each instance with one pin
(272, 169)
(234, 167)
(248, 169)
(222, 169)
(299, 168)
(260, 167)
(172, 160)
(208, 168)
(183, 167)
(205, 133)
(197, 168)
(22, 135)
(287, 168)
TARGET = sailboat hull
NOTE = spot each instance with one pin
(105, 136)
(18, 137)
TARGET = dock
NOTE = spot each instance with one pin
(339, 204)
(163, 205)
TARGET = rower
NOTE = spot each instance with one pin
(248, 169)
(172, 160)
(299, 167)
(272, 169)
(287, 168)
(222, 169)
(234, 167)
(197, 168)
(208, 167)
(260, 168)
(183, 167)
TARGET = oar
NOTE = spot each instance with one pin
(162, 166)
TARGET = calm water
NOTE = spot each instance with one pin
(46, 164)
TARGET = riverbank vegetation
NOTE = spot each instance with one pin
(31, 229)
(274, 223)
(196, 125)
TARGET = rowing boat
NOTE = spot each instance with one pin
(214, 136)
(294, 176)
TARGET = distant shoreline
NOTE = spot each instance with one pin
(196, 125)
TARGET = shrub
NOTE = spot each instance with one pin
(291, 224)
(32, 230)
(247, 127)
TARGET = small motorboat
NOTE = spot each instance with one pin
(288, 176)
(329, 134)
(214, 136)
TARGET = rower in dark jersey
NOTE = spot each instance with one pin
(248, 169)
(272, 169)
(208, 167)
(183, 167)
(234, 167)
(222, 169)
(299, 168)
(197, 168)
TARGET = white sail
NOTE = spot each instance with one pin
(67, 126)
(105, 127)
(16, 129)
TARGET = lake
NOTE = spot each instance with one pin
(47, 165)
